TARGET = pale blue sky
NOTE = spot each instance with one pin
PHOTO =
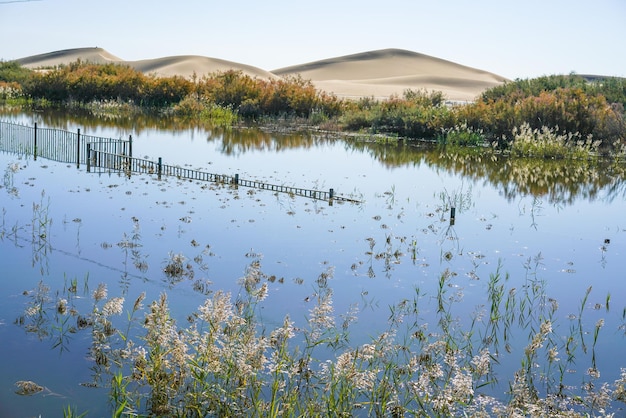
(515, 39)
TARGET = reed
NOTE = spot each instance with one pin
(226, 362)
(462, 135)
(551, 144)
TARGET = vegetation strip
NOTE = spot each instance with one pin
(572, 107)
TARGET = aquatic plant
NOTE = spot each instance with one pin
(27, 387)
(70, 412)
(462, 135)
(550, 144)
(177, 266)
(226, 362)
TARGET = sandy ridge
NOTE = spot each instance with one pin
(187, 65)
(379, 74)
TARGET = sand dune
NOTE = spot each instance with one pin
(376, 73)
(187, 65)
(66, 56)
(391, 71)
(184, 65)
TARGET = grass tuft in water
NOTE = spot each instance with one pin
(226, 362)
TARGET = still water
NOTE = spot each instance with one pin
(561, 223)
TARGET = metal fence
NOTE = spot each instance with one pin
(117, 155)
(16, 138)
(129, 165)
(55, 144)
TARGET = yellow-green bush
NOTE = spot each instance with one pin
(568, 110)
(418, 114)
(84, 83)
(253, 98)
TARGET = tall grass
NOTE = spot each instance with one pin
(225, 362)
(549, 143)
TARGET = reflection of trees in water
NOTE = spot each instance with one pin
(124, 121)
(238, 141)
(554, 181)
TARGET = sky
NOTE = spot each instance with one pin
(514, 39)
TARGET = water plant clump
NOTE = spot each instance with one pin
(462, 135)
(27, 387)
(175, 267)
(551, 144)
(226, 362)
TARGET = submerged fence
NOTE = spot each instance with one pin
(117, 155)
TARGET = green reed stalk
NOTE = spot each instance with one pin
(70, 412)
(581, 309)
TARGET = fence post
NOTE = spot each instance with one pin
(331, 194)
(236, 179)
(129, 164)
(159, 168)
(78, 149)
(88, 158)
(35, 147)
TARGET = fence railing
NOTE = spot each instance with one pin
(129, 165)
(117, 155)
(56, 144)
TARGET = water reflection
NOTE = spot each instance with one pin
(239, 141)
(553, 181)
(556, 181)
(138, 122)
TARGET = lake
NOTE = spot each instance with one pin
(553, 229)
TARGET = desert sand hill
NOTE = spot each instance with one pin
(66, 56)
(391, 71)
(184, 65)
(187, 65)
(376, 73)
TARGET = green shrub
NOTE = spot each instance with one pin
(462, 135)
(164, 91)
(201, 109)
(612, 88)
(13, 72)
(84, 83)
(417, 115)
(562, 104)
